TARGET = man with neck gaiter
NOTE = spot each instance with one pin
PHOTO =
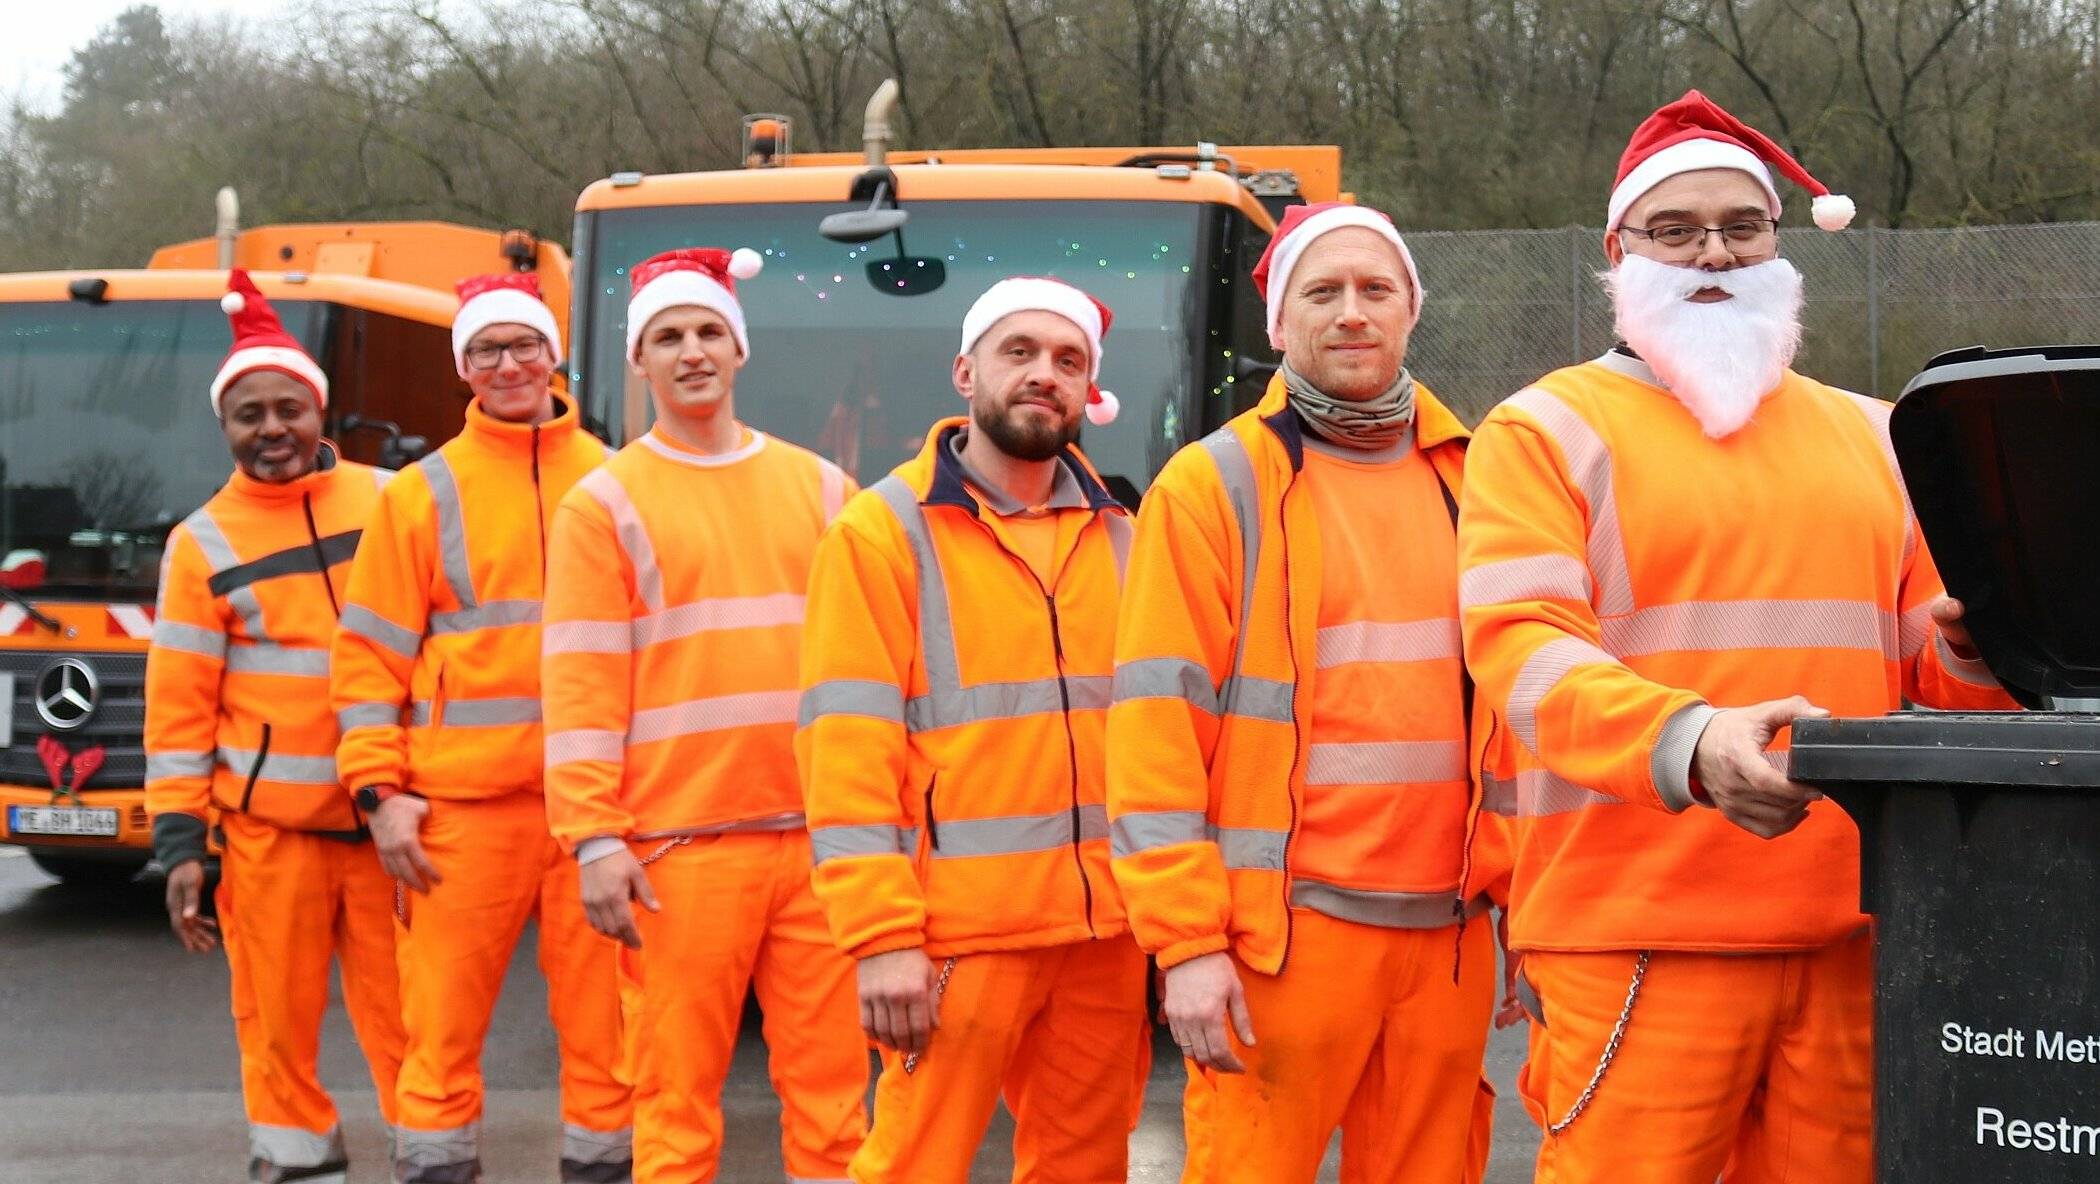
(1670, 554)
(1289, 797)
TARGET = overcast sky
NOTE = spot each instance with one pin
(42, 35)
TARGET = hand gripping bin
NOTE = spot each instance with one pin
(1980, 832)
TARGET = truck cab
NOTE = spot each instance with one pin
(107, 442)
(853, 327)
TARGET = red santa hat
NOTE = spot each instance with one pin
(260, 343)
(1037, 293)
(1300, 226)
(509, 298)
(1695, 133)
(696, 277)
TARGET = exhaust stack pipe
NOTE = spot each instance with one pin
(875, 132)
(229, 227)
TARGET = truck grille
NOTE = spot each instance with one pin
(119, 722)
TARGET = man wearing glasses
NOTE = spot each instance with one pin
(1668, 555)
(437, 689)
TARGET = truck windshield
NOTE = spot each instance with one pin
(851, 361)
(106, 433)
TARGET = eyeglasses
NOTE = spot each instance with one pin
(523, 352)
(1746, 236)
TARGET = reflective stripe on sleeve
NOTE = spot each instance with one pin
(605, 489)
(1533, 577)
(267, 657)
(1590, 466)
(847, 842)
(368, 715)
(851, 696)
(378, 630)
(1541, 672)
(189, 639)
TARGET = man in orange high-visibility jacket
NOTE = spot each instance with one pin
(1290, 799)
(437, 687)
(955, 685)
(1669, 554)
(238, 731)
(674, 628)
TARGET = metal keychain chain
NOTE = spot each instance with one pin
(940, 988)
(1611, 1047)
(666, 849)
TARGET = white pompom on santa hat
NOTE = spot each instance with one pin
(1694, 133)
(1037, 293)
(691, 277)
(507, 298)
(260, 343)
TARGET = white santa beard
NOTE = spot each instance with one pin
(1720, 359)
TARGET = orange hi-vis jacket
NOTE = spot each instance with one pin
(237, 715)
(953, 715)
(1623, 577)
(674, 630)
(1217, 653)
(437, 663)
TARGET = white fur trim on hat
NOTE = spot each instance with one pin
(1687, 156)
(268, 357)
(502, 306)
(1285, 260)
(1033, 294)
(682, 289)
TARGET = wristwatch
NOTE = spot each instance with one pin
(368, 797)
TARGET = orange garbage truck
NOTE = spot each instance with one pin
(105, 445)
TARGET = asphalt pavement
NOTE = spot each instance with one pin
(118, 1065)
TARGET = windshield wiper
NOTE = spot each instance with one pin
(35, 614)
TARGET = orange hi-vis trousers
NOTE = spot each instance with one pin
(1746, 1068)
(738, 914)
(1365, 1029)
(500, 866)
(1060, 1031)
(288, 902)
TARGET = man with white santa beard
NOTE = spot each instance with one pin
(1668, 554)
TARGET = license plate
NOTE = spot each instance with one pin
(76, 821)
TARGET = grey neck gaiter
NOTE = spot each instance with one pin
(1368, 425)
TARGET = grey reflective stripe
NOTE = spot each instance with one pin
(582, 1145)
(936, 625)
(1134, 833)
(267, 657)
(179, 764)
(1536, 793)
(1166, 678)
(1589, 465)
(1973, 671)
(851, 696)
(1387, 910)
(368, 715)
(1913, 630)
(587, 637)
(478, 713)
(1541, 672)
(605, 489)
(711, 714)
(1715, 625)
(848, 842)
(1534, 577)
(291, 770)
(1236, 470)
(1120, 530)
(452, 527)
(221, 556)
(585, 744)
(379, 631)
(1260, 698)
(190, 639)
(496, 614)
(1670, 761)
(1498, 796)
(1876, 414)
(293, 1147)
(1018, 834)
(1386, 762)
(414, 1148)
(1387, 641)
(729, 612)
(1005, 700)
(1249, 849)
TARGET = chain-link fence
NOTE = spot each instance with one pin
(1506, 306)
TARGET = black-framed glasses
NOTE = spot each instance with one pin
(523, 351)
(1744, 236)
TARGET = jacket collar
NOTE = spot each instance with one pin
(1435, 425)
(503, 435)
(949, 480)
(242, 485)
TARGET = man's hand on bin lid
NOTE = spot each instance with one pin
(1730, 765)
(1947, 613)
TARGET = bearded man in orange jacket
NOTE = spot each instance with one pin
(674, 628)
(238, 733)
(1290, 801)
(1670, 554)
(437, 688)
(961, 634)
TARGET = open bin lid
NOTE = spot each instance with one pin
(2000, 449)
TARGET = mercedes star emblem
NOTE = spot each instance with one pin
(66, 692)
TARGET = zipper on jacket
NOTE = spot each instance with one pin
(313, 537)
(1465, 860)
(539, 507)
(255, 771)
(1290, 639)
(933, 829)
